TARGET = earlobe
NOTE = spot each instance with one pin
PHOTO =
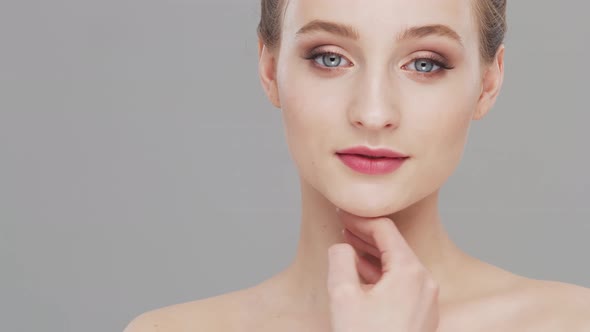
(491, 85)
(267, 73)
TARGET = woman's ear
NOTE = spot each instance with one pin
(267, 73)
(491, 84)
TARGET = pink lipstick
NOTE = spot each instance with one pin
(371, 161)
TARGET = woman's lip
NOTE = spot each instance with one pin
(376, 152)
(372, 166)
(368, 156)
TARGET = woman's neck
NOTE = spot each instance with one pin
(420, 225)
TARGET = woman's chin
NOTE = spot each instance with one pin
(382, 204)
(370, 208)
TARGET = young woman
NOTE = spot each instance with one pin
(377, 99)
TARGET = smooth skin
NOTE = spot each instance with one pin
(398, 295)
(394, 268)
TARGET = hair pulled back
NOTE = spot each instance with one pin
(491, 15)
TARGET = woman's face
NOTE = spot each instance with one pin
(410, 81)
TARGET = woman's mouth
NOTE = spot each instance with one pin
(373, 165)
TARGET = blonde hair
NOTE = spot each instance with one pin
(491, 15)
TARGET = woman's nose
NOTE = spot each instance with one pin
(376, 106)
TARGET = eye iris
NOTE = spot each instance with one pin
(331, 60)
(424, 65)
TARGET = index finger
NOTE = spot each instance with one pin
(383, 232)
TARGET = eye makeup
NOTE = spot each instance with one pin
(434, 59)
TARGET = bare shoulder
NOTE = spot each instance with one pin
(564, 295)
(566, 307)
(523, 304)
(219, 313)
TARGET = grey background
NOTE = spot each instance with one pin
(142, 165)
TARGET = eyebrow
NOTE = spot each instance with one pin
(349, 32)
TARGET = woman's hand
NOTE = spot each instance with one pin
(397, 295)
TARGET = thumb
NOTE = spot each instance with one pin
(343, 278)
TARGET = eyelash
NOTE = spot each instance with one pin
(435, 60)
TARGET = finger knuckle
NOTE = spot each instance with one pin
(342, 291)
(406, 260)
(340, 248)
(414, 270)
(433, 286)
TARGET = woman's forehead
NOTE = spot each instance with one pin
(368, 17)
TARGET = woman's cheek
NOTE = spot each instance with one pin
(452, 135)
(301, 121)
(438, 124)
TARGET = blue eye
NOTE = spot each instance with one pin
(328, 59)
(426, 65)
